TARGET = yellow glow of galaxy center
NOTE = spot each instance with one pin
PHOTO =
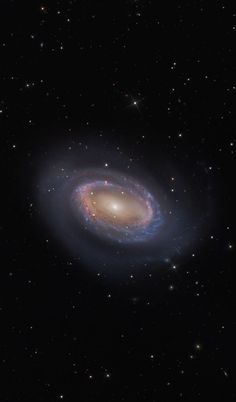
(116, 207)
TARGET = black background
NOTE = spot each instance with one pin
(71, 71)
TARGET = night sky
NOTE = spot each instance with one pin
(149, 86)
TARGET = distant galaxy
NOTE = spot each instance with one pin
(113, 215)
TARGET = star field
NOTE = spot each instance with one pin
(147, 89)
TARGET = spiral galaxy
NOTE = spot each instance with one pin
(115, 207)
(114, 215)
